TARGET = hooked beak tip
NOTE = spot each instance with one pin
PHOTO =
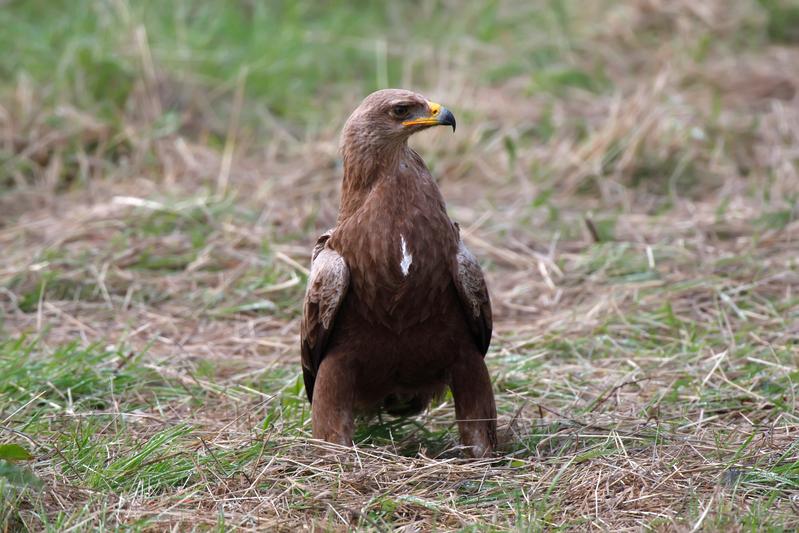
(446, 118)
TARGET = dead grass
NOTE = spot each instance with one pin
(640, 238)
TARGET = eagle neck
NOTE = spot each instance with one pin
(364, 166)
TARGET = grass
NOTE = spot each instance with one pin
(625, 171)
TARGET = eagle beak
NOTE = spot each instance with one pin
(446, 118)
(438, 115)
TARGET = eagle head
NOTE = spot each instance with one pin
(391, 115)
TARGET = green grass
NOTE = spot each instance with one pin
(296, 55)
(165, 169)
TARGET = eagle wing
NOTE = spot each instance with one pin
(473, 293)
(327, 285)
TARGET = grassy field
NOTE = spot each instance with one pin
(626, 171)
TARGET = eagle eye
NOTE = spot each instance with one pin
(401, 111)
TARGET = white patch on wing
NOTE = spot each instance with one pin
(407, 257)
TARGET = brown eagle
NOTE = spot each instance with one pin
(396, 307)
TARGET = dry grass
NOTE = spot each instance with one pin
(638, 225)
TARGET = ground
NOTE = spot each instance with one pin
(625, 171)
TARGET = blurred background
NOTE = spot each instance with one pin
(626, 171)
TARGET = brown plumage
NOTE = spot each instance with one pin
(396, 307)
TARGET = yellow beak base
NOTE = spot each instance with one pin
(438, 115)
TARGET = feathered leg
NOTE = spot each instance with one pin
(332, 409)
(474, 404)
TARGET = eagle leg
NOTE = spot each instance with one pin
(474, 404)
(332, 415)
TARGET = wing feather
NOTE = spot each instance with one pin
(328, 283)
(474, 297)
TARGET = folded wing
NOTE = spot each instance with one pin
(473, 293)
(327, 285)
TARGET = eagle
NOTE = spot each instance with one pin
(396, 307)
